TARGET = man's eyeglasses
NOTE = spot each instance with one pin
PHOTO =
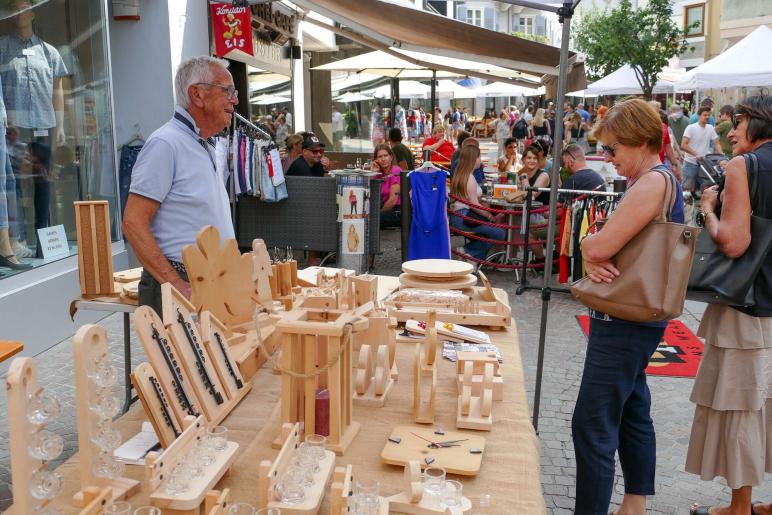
(230, 91)
(609, 149)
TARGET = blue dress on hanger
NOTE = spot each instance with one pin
(429, 233)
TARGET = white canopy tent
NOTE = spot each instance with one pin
(502, 89)
(264, 100)
(352, 96)
(407, 89)
(623, 81)
(745, 64)
(458, 91)
(582, 93)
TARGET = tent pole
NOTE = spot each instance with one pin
(433, 101)
(565, 14)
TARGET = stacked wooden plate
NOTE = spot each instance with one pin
(437, 274)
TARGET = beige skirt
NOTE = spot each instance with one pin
(733, 394)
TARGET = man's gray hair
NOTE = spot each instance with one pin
(195, 70)
(574, 151)
(675, 108)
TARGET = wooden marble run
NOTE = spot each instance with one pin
(425, 373)
(479, 360)
(159, 467)
(90, 350)
(317, 355)
(412, 498)
(342, 490)
(271, 472)
(474, 411)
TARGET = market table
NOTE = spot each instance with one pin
(510, 468)
(8, 348)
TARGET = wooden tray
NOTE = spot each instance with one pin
(453, 283)
(437, 268)
(456, 460)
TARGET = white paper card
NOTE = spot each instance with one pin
(53, 241)
(134, 450)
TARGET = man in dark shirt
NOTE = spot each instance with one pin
(401, 152)
(582, 177)
(310, 162)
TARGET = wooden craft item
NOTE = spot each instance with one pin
(411, 499)
(474, 411)
(382, 330)
(372, 376)
(220, 277)
(320, 298)
(450, 331)
(342, 490)
(95, 498)
(159, 465)
(216, 502)
(479, 360)
(315, 275)
(414, 446)
(425, 374)
(444, 268)
(487, 292)
(128, 276)
(156, 405)
(95, 256)
(270, 474)
(493, 314)
(453, 283)
(364, 290)
(90, 344)
(274, 282)
(215, 338)
(262, 274)
(165, 360)
(186, 339)
(317, 353)
(130, 290)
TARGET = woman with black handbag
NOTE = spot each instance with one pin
(732, 427)
(612, 412)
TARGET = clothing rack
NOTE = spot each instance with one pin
(237, 118)
(612, 195)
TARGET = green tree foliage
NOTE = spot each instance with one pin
(644, 39)
(532, 37)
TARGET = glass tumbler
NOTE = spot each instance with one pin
(289, 489)
(452, 495)
(45, 445)
(147, 510)
(306, 475)
(104, 403)
(195, 468)
(241, 508)
(204, 453)
(218, 438)
(106, 466)
(43, 408)
(117, 508)
(317, 444)
(179, 480)
(268, 511)
(101, 372)
(366, 500)
(106, 438)
(45, 484)
(434, 485)
(306, 459)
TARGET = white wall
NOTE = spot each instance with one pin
(188, 30)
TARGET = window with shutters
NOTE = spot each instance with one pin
(526, 25)
(474, 16)
(694, 19)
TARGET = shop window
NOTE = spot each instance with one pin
(694, 19)
(59, 144)
(474, 16)
(526, 25)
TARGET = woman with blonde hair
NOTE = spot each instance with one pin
(464, 186)
(293, 143)
(612, 413)
(541, 127)
(573, 128)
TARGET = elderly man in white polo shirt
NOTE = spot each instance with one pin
(175, 189)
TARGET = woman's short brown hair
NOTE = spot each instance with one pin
(386, 147)
(758, 110)
(293, 139)
(633, 123)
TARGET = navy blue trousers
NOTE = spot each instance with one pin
(612, 414)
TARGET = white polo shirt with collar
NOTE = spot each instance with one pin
(176, 170)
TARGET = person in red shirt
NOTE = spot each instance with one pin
(442, 149)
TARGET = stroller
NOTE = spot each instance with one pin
(710, 168)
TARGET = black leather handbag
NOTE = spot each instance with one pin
(718, 279)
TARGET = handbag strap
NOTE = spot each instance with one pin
(752, 165)
(670, 193)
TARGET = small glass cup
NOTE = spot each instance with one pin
(366, 500)
(434, 485)
(195, 468)
(43, 408)
(104, 403)
(106, 466)
(45, 445)
(117, 508)
(147, 510)
(204, 453)
(305, 474)
(241, 508)
(179, 480)
(218, 438)
(306, 459)
(289, 489)
(106, 438)
(268, 511)
(452, 495)
(101, 372)
(317, 443)
(45, 484)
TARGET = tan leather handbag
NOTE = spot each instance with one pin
(654, 270)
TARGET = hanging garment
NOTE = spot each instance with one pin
(563, 262)
(429, 233)
(221, 159)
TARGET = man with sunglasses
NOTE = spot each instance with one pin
(310, 162)
(175, 188)
(695, 145)
(582, 177)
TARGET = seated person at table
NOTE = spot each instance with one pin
(581, 177)
(309, 164)
(403, 156)
(460, 138)
(479, 173)
(442, 149)
(533, 176)
(463, 185)
(508, 161)
(383, 163)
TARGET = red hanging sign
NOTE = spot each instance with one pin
(231, 28)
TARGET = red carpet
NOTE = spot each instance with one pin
(678, 355)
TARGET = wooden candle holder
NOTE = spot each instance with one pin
(425, 373)
(479, 360)
(411, 499)
(316, 353)
(342, 491)
(271, 472)
(474, 411)
(158, 467)
(90, 344)
(95, 256)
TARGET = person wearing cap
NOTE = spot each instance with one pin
(309, 164)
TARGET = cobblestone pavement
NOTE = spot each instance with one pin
(564, 358)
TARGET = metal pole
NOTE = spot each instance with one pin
(406, 211)
(433, 101)
(565, 14)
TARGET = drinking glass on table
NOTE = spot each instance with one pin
(434, 485)
(452, 494)
(366, 500)
(218, 438)
(147, 510)
(241, 508)
(117, 508)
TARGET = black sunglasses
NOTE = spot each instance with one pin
(736, 119)
(609, 149)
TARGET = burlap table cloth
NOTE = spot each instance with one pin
(510, 467)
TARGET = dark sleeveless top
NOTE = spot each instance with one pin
(762, 206)
(544, 197)
(541, 131)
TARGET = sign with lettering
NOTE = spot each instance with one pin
(274, 18)
(53, 241)
(271, 57)
(231, 29)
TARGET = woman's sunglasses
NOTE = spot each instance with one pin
(736, 119)
(609, 149)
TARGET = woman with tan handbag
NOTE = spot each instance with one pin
(612, 412)
(732, 391)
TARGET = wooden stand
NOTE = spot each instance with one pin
(271, 473)
(372, 386)
(95, 257)
(262, 274)
(311, 340)
(214, 335)
(479, 360)
(159, 466)
(425, 373)
(474, 412)
(157, 408)
(95, 498)
(411, 499)
(216, 502)
(342, 490)
(89, 345)
(464, 460)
